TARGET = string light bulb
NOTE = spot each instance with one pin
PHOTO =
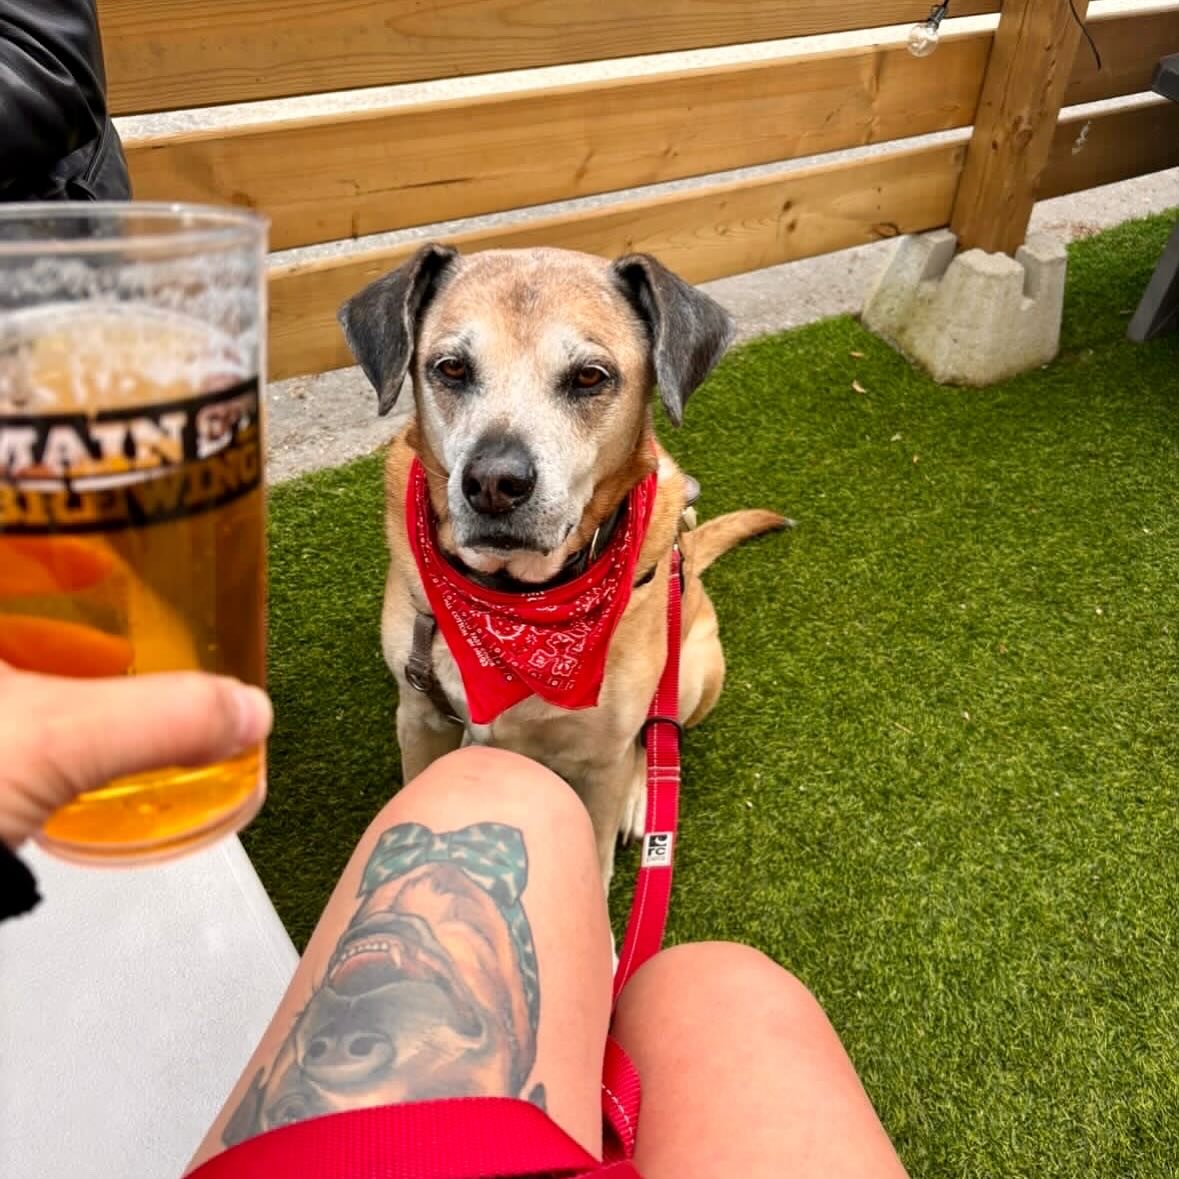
(923, 38)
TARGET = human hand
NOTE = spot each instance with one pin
(60, 737)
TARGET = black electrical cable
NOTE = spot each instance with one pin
(1096, 56)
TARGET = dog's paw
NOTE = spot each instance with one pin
(634, 815)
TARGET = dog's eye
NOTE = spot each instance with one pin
(292, 1108)
(452, 368)
(590, 377)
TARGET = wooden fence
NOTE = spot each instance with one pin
(334, 177)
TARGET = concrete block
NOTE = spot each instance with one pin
(972, 318)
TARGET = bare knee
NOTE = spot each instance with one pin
(708, 964)
(721, 980)
(480, 784)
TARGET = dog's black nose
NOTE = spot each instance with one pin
(499, 477)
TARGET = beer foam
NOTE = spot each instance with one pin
(60, 357)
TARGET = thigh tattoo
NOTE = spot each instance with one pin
(432, 991)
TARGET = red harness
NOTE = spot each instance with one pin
(502, 1137)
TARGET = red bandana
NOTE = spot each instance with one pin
(551, 643)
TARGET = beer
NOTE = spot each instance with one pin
(132, 539)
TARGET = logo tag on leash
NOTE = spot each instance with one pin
(657, 849)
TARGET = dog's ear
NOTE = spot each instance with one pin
(380, 323)
(689, 331)
(246, 1120)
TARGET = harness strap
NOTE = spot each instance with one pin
(419, 667)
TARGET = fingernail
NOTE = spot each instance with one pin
(254, 714)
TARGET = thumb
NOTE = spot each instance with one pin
(103, 729)
(70, 736)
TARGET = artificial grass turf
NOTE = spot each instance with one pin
(940, 784)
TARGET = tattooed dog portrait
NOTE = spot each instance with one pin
(432, 990)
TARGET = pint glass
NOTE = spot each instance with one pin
(132, 344)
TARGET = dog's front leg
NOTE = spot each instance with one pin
(423, 733)
(633, 824)
(605, 789)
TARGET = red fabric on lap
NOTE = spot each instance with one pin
(458, 1138)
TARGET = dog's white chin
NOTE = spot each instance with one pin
(519, 563)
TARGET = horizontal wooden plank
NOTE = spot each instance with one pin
(1130, 141)
(703, 234)
(336, 177)
(737, 226)
(1130, 44)
(171, 54)
(328, 178)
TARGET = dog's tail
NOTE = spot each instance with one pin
(715, 537)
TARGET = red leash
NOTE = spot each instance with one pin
(501, 1137)
(661, 731)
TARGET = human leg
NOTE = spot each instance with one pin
(743, 1074)
(465, 950)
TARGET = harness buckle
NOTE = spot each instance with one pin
(417, 678)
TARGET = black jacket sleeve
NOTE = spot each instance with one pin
(56, 138)
(18, 889)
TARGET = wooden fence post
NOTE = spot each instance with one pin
(1029, 67)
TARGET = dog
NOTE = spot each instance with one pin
(528, 464)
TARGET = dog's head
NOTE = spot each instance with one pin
(532, 373)
(423, 997)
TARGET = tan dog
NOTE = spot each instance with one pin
(532, 374)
